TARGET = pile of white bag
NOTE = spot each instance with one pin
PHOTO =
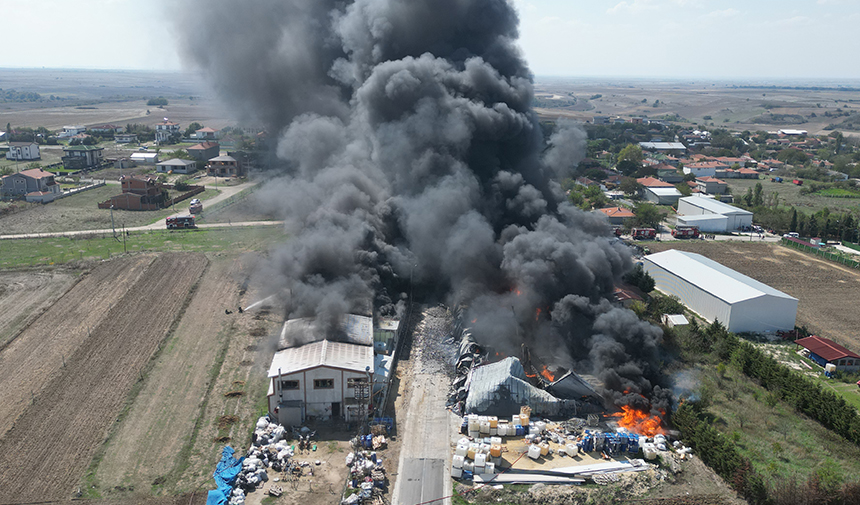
(269, 450)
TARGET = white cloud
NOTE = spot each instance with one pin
(634, 6)
(725, 13)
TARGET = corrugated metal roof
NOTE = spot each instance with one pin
(324, 353)
(501, 388)
(701, 218)
(825, 348)
(664, 191)
(353, 328)
(712, 277)
(715, 206)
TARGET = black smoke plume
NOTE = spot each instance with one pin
(409, 153)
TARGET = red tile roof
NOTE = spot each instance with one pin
(650, 182)
(204, 145)
(825, 348)
(708, 178)
(617, 212)
(36, 173)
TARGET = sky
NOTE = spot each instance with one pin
(707, 39)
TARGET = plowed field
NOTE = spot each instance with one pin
(25, 295)
(108, 330)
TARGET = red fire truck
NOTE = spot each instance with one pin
(643, 233)
(180, 222)
(686, 232)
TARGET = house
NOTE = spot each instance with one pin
(824, 351)
(650, 182)
(712, 216)
(618, 216)
(225, 166)
(71, 131)
(145, 158)
(177, 166)
(585, 181)
(81, 157)
(165, 129)
(36, 185)
(107, 128)
(205, 133)
(23, 151)
(668, 173)
(711, 185)
(704, 168)
(137, 194)
(204, 151)
(125, 138)
(627, 294)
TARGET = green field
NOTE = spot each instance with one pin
(56, 251)
(789, 196)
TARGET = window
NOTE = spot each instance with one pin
(285, 385)
(351, 383)
(323, 383)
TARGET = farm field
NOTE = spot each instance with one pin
(789, 196)
(79, 403)
(827, 292)
(25, 295)
(81, 212)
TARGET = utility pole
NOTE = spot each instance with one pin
(113, 228)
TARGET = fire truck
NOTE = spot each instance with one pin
(686, 232)
(643, 233)
(180, 222)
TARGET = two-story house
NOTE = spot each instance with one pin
(165, 129)
(225, 166)
(23, 151)
(36, 185)
(81, 157)
(137, 194)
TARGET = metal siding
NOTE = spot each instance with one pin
(696, 299)
(765, 314)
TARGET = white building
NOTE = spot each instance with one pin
(662, 196)
(320, 380)
(718, 293)
(176, 166)
(165, 129)
(711, 215)
(23, 151)
(71, 131)
(145, 158)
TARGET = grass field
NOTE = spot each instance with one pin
(789, 195)
(81, 212)
(55, 251)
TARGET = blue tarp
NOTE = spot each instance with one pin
(225, 476)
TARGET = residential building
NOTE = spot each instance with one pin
(618, 216)
(81, 157)
(23, 151)
(824, 351)
(718, 293)
(71, 131)
(107, 128)
(711, 185)
(668, 173)
(225, 166)
(177, 166)
(36, 185)
(165, 129)
(137, 194)
(204, 151)
(704, 168)
(125, 138)
(205, 133)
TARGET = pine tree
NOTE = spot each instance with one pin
(793, 226)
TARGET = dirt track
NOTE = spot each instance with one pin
(827, 292)
(45, 453)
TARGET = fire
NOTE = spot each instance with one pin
(639, 421)
(546, 374)
(474, 320)
(537, 314)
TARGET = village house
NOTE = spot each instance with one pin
(125, 138)
(36, 185)
(225, 166)
(165, 129)
(205, 133)
(137, 194)
(23, 151)
(825, 351)
(704, 168)
(177, 166)
(81, 157)
(711, 185)
(618, 216)
(204, 151)
(107, 128)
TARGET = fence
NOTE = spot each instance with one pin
(808, 248)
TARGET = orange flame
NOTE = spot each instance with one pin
(639, 421)
(474, 320)
(531, 375)
(546, 374)
(537, 314)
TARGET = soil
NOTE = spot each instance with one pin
(24, 296)
(46, 452)
(826, 291)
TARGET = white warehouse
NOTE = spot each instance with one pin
(711, 215)
(718, 293)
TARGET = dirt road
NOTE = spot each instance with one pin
(423, 473)
(45, 453)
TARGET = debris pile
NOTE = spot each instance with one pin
(368, 481)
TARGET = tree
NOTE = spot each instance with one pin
(748, 197)
(631, 152)
(630, 186)
(193, 127)
(647, 215)
(757, 200)
(848, 229)
(640, 278)
(160, 101)
(793, 226)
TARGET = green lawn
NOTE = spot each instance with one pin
(55, 251)
(789, 195)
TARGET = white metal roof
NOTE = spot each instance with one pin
(677, 319)
(712, 277)
(664, 191)
(715, 206)
(703, 218)
(353, 328)
(144, 156)
(662, 145)
(324, 353)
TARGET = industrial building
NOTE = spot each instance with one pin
(718, 293)
(712, 216)
(824, 351)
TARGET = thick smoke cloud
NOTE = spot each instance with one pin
(409, 152)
